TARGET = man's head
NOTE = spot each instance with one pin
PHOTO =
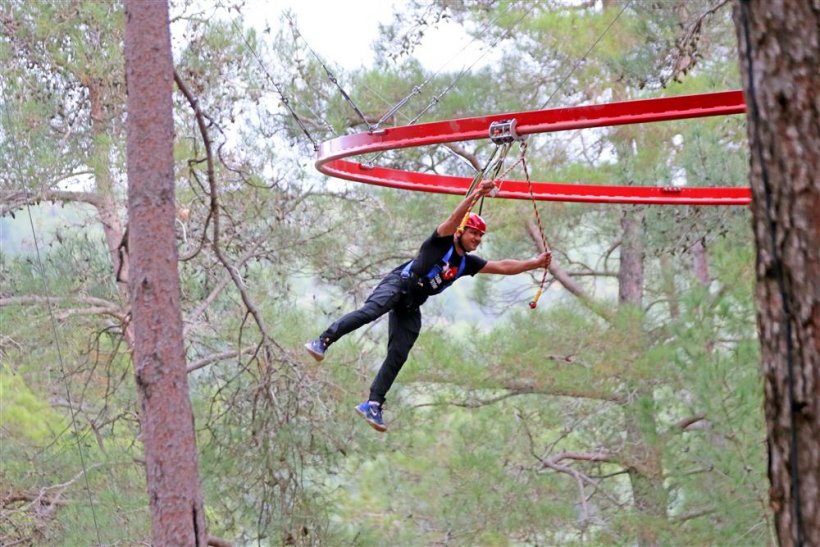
(477, 223)
(474, 229)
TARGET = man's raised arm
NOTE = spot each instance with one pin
(449, 226)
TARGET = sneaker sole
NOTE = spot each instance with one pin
(377, 427)
(317, 356)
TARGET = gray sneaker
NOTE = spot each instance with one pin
(316, 348)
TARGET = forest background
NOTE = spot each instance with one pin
(626, 409)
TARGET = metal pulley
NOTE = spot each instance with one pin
(503, 132)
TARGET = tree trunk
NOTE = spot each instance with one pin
(780, 62)
(645, 466)
(109, 216)
(668, 285)
(700, 262)
(107, 206)
(166, 418)
(630, 274)
(643, 453)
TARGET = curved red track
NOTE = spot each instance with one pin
(331, 156)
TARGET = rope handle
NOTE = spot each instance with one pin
(534, 301)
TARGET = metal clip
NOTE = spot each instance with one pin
(503, 132)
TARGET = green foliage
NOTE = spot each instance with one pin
(23, 414)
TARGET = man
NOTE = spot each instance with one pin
(443, 258)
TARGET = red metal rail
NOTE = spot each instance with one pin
(331, 154)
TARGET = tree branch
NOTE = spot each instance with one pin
(214, 207)
(97, 306)
(584, 456)
(200, 309)
(684, 424)
(217, 357)
(16, 200)
(40, 498)
(527, 387)
(469, 156)
(581, 478)
(696, 514)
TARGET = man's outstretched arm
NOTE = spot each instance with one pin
(510, 266)
(449, 226)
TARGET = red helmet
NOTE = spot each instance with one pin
(477, 223)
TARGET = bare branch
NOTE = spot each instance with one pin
(251, 253)
(581, 478)
(587, 392)
(696, 514)
(34, 499)
(584, 456)
(232, 270)
(469, 156)
(528, 387)
(97, 306)
(15, 200)
(217, 357)
(684, 424)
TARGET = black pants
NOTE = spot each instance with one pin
(404, 327)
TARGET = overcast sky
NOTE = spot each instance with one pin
(342, 32)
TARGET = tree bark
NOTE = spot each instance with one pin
(668, 285)
(107, 208)
(644, 457)
(166, 416)
(643, 451)
(779, 47)
(700, 262)
(630, 274)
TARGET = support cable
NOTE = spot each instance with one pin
(330, 75)
(282, 97)
(498, 179)
(437, 98)
(780, 275)
(585, 55)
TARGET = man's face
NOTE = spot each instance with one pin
(471, 239)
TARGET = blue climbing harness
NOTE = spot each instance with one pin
(441, 275)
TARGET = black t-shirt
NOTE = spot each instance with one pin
(431, 254)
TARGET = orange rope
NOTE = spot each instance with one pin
(523, 160)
